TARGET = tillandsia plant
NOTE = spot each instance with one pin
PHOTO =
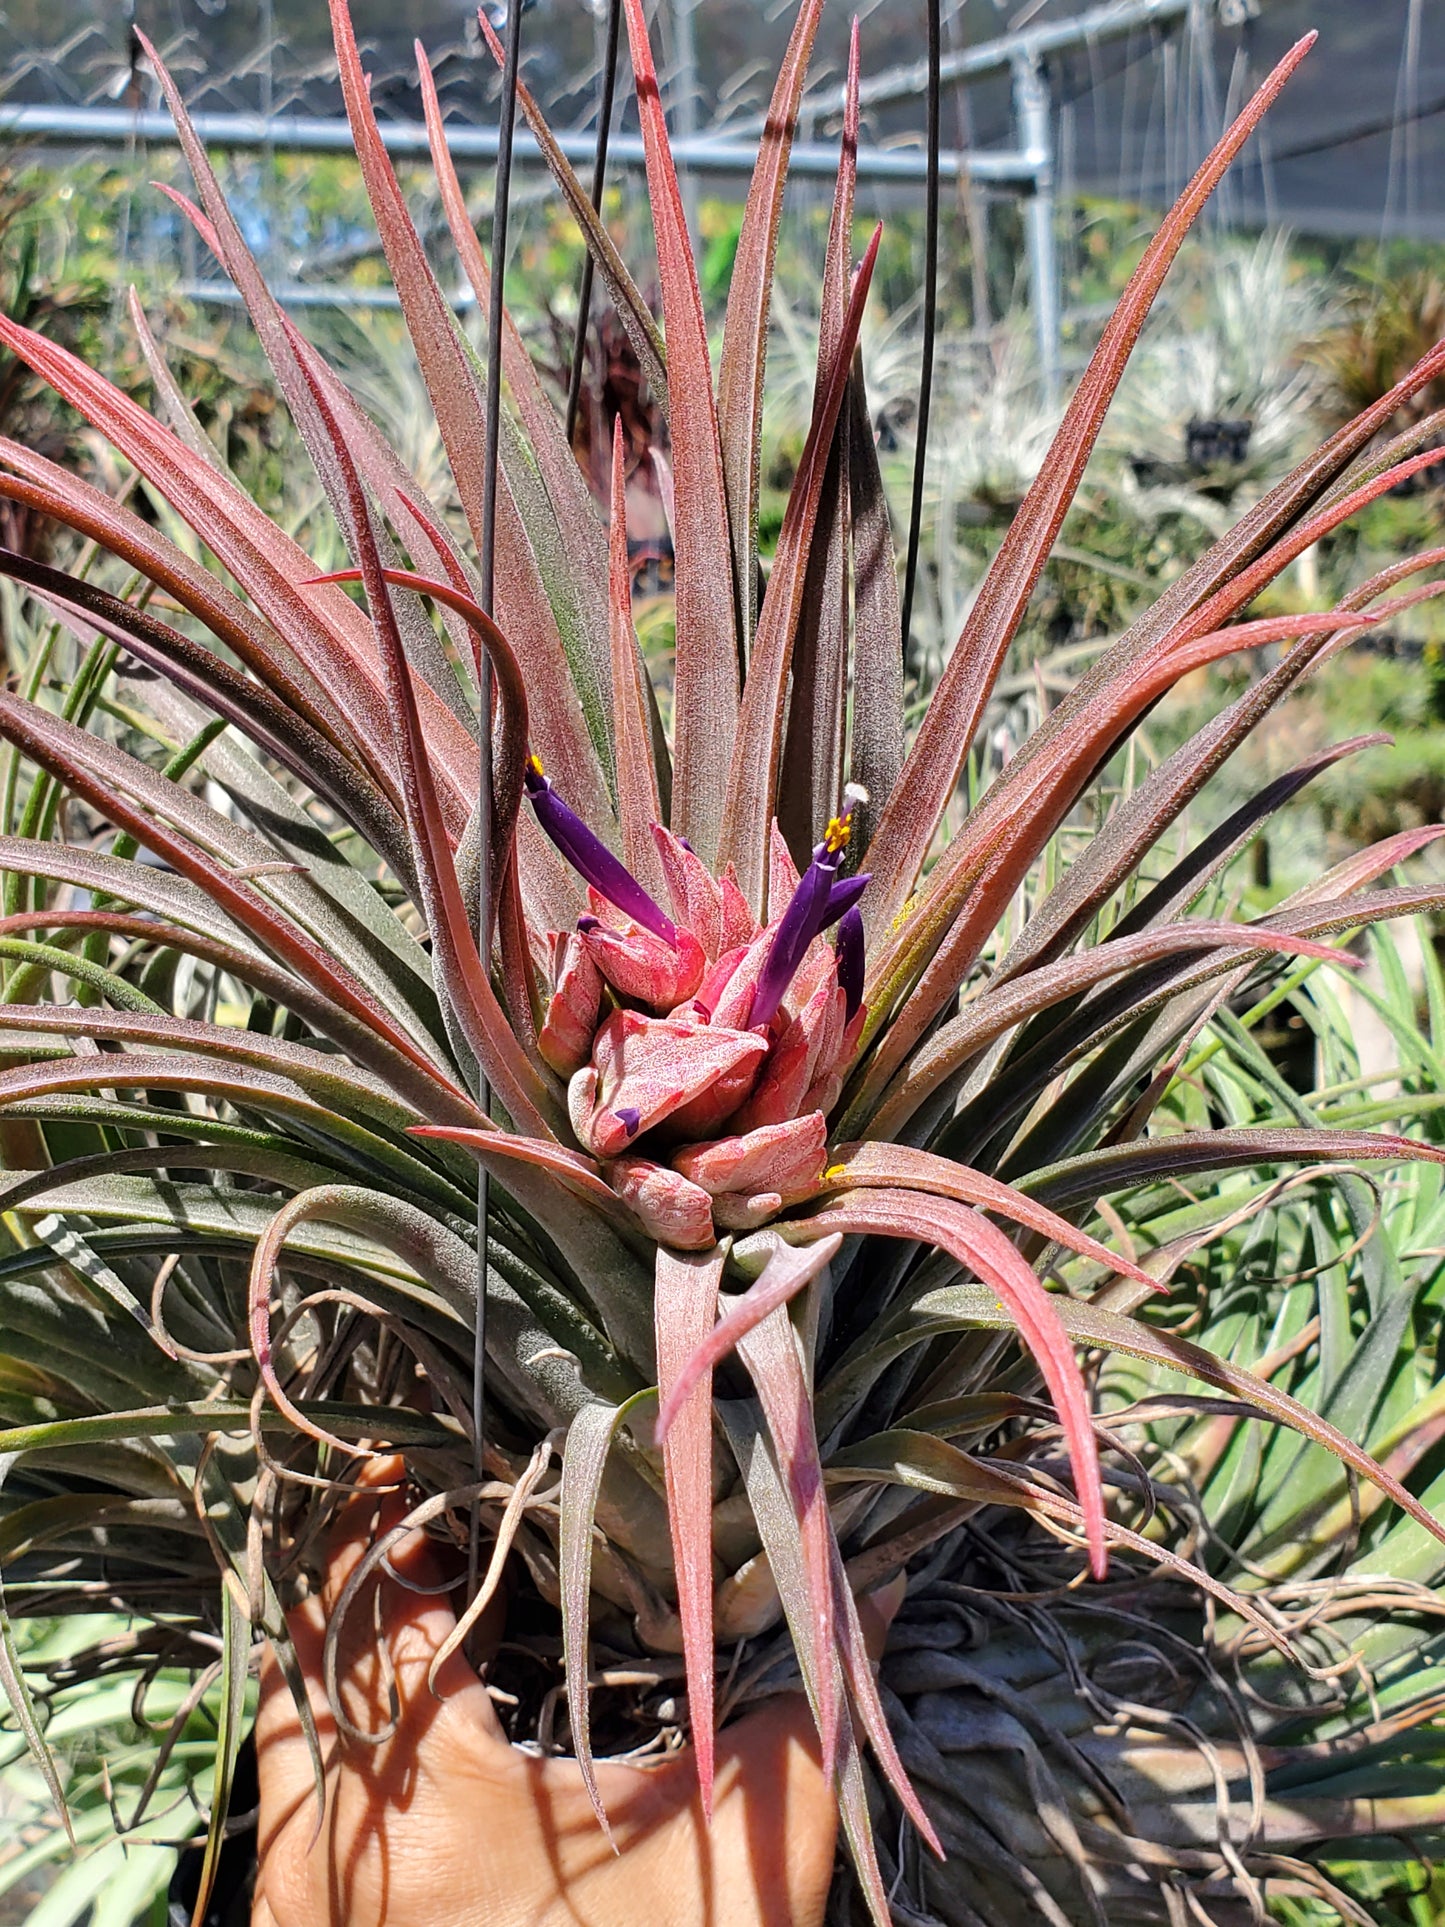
(772, 1035)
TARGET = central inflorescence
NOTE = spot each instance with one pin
(704, 1050)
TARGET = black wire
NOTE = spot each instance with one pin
(501, 209)
(930, 316)
(599, 181)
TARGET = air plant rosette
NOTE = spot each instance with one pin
(742, 1050)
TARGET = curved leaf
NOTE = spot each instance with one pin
(888, 1165)
(45, 486)
(1037, 1314)
(510, 756)
(401, 1227)
(104, 776)
(962, 1306)
(265, 718)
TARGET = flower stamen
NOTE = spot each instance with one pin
(821, 898)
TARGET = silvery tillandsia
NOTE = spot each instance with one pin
(882, 1178)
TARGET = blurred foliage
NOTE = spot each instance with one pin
(130, 1804)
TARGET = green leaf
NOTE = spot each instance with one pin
(230, 1730)
(584, 1460)
(22, 1706)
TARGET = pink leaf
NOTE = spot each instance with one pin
(685, 1306)
(745, 328)
(788, 1270)
(890, 1165)
(753, 778)
(638, 802)
(705, 703)
(897, 851)
(515, 1079)
(969, 1237)
(859, 1673)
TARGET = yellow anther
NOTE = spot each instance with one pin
(840, 827)
(834, 1172)
(534, 764)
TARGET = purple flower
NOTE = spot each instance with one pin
(820, 899)
(591, 858)
(850, 960)
(629, 1118)
(844, 895)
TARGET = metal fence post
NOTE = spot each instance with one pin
(1035, 130)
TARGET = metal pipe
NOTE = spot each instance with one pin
(308, 294)
(296, 133)
(683, 95)
(1034, 43)
(1032, 110)
(993, 56)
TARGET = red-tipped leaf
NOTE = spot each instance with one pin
(898, 849)
(969, 1237)
(705, 705)
(684, 1310)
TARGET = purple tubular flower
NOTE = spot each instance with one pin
(629, 1118)
(797, 927)
(820, 899)
(591, 858)
(844, 895)
(849, 953)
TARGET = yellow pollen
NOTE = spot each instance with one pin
(834, 1172)
(903, 915)
(836, 836)
(534, 764)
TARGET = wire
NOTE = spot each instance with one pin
(501, 209)
(599, 181)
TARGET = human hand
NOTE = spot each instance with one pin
(446, 1824)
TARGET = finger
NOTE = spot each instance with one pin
(877, 1611)
(356, 1526)
(776, 1816)
(283, 1756)
(406, 1603)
